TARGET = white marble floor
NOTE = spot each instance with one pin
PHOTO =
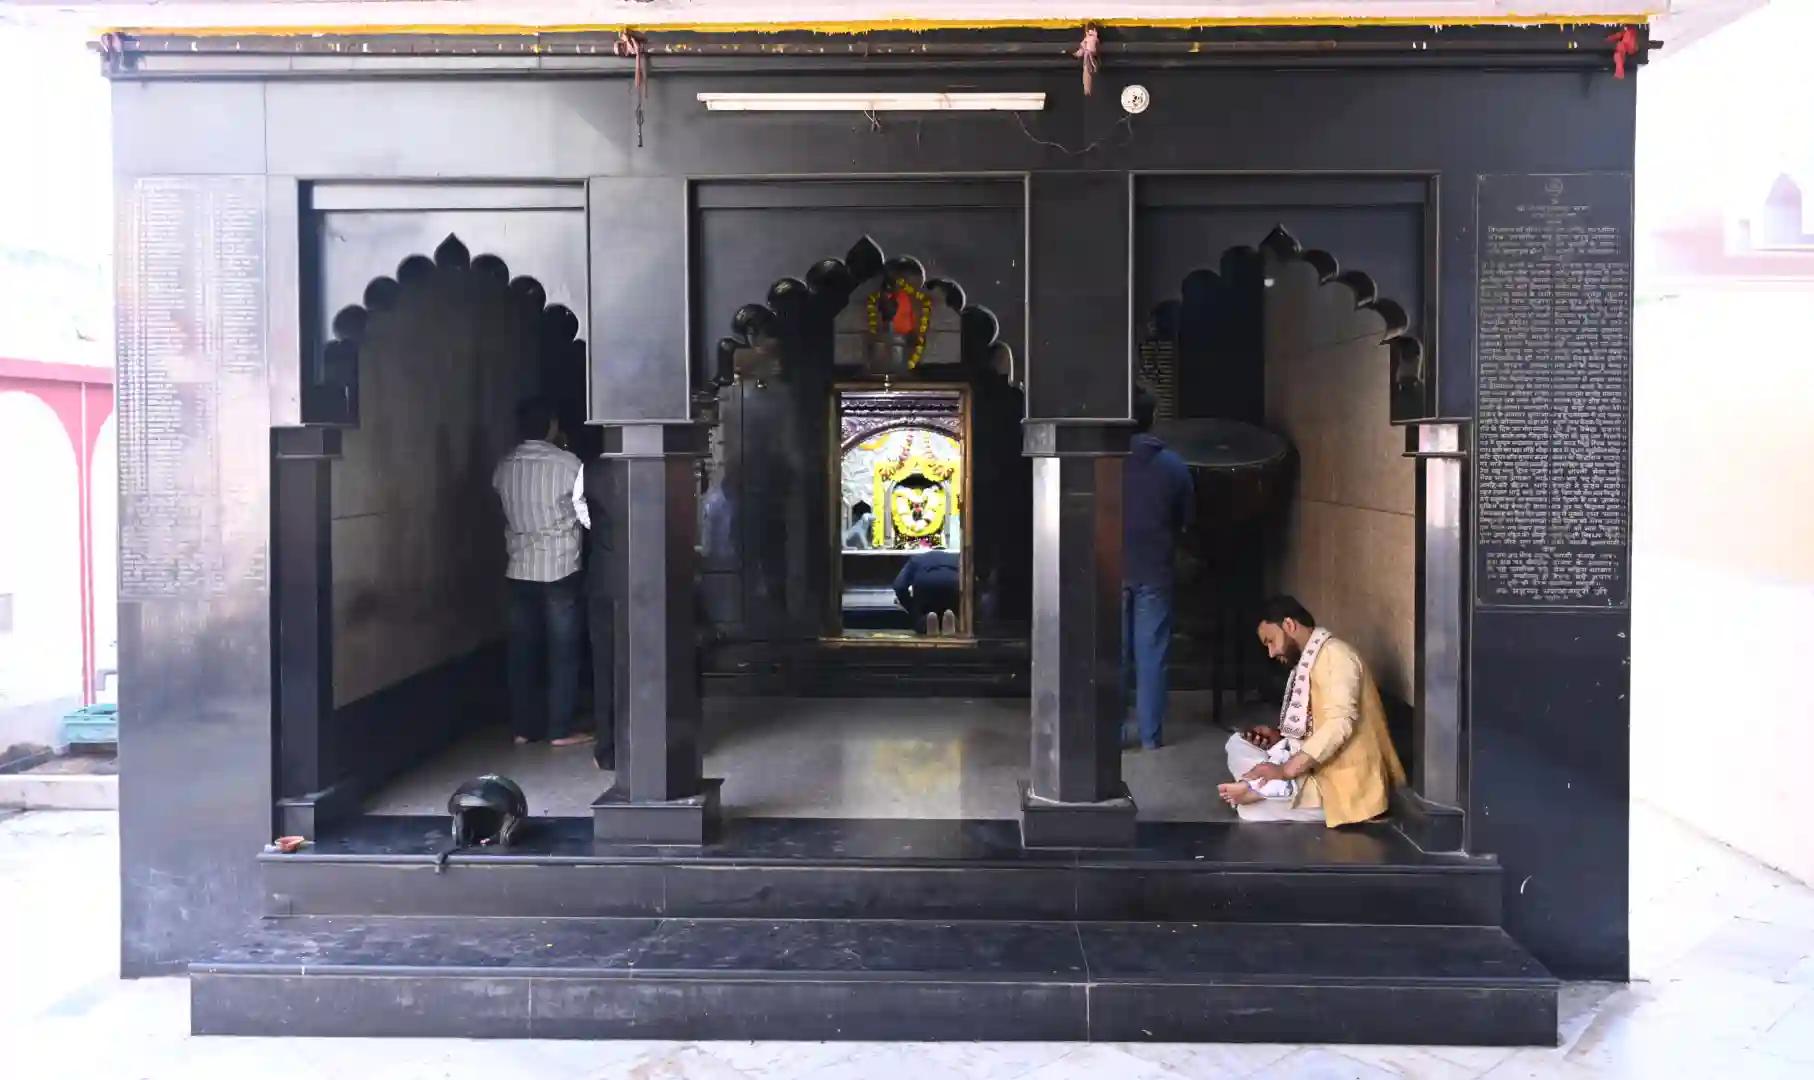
(1725, 951)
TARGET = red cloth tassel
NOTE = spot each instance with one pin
(1624, 43)
(630, 46)
(1090, 52)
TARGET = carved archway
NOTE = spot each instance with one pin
(1407, 374)
(755, 347)
(331, 390)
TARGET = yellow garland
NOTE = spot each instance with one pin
(1641, 12)
(886, 472)
(904, 525)
(924, 303)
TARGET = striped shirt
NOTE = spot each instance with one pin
(536, 483)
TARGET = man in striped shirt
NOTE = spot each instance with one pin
(535, 483)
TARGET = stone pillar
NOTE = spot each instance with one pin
(1431, 813)
(1079, 397)
(660, 796)
(1076, 797)
(641, 394)
(302, 573)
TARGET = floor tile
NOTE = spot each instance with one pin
(1715, 1003)
(1792, 1036)
(882, 1061)
(1582, 1005)
(680, 1061)
(1416, 1062)
(1318, 1063)
(774, 1060)
(1788, 903)
(1211, 1061)
(1649, 1043)
(1662, 934)
(1101, 1061)
(1477, 1059)
(1539, 1065)
(1745, 947)
(993, 1061)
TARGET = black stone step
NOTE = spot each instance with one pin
(844, 979)
(890, 869)
(985, 668)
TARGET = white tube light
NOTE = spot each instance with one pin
(869, 102)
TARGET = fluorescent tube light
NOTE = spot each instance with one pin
(868, 102)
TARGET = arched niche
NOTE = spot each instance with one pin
(816, 325)
(1177, 328)
(425, 373)
(770, 500)
(453, 276)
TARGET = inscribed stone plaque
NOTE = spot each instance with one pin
(1553, 444)
(190, 344)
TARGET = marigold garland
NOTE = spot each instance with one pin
(922, 304)
(942, 472)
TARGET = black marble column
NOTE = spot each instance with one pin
(1076, 797)
(302, 472)
(1078, 401)
(660, 796)
(641, 394)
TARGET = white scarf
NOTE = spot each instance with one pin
(1294, 711)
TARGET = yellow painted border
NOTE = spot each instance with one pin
(868, 26)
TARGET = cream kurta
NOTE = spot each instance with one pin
(1356, 765)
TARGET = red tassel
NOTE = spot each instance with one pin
(1624, 43)
(1090, 52)
(629, 45)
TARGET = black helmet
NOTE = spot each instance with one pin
(489, 809)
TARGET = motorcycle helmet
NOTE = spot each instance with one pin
(488, 809)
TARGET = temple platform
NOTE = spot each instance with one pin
(868, 881)
(841, 979)
(880, 929)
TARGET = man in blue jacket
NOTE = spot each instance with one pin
(1157, 504)
(929, 588)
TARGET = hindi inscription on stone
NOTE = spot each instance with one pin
(190, 343)
(1553, 426)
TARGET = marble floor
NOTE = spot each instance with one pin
(1723, 949)
(858, 758)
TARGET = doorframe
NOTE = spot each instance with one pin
(834, 477)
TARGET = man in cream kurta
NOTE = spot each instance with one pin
(1330, 759)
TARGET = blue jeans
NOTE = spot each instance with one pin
(543, 669)
(1146, 638)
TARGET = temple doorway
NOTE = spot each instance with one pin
(902, 553)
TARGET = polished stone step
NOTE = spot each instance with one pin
(988, 668)
(848, 979)
(890, 869)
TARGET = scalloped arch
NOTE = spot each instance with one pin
(331, 395)
(1408, 375)
(826, 288)
(846, 442)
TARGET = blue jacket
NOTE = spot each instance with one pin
(1157, 502)
(927, 570)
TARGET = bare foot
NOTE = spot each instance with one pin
(580, 739)
(1237, 793)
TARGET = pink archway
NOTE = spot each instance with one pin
(82, 399)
